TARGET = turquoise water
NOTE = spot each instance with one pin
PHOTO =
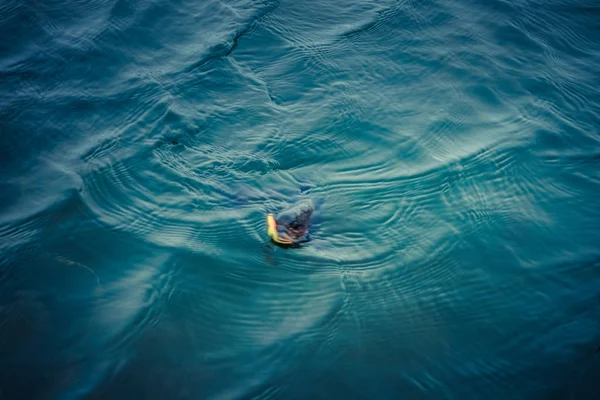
(451, 150)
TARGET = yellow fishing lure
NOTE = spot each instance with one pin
(272, 231)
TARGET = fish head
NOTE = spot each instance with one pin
(273, 233)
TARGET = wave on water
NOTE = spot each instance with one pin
(450, 150)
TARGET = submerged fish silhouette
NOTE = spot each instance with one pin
(291, 233)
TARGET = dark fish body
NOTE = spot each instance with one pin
(295, 224)
(298, 229)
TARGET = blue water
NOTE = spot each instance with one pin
(451, 150)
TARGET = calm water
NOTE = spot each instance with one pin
(451, 150)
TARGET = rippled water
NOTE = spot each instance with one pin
(451, 149)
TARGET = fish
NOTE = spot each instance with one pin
(292, 233)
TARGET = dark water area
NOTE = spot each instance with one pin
(451, 150)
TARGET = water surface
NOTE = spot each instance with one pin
(451, 149)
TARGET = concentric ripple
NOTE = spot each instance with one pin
(450, 150)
